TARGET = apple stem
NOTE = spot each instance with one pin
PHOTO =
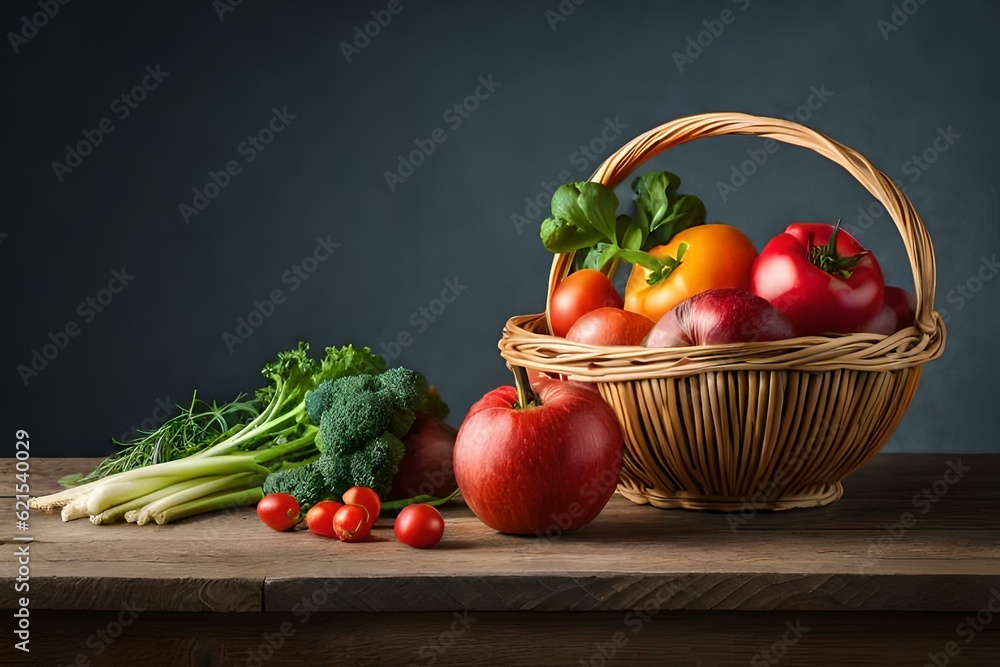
(525, 396)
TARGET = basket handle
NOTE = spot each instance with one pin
(682, 130)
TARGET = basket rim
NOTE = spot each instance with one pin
(523, 345)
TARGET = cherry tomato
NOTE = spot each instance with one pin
(578, 294)
(319, 518)
(716, 256)
(279, 511)
(351, 523)
(419, 526)
(820, 286)
(610, 326)
(362, 495)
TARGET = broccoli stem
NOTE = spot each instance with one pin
(214, 501)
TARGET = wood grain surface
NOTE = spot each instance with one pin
(853, 555)
(677, 639)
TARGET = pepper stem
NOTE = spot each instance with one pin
(666, 265)
(526, 397)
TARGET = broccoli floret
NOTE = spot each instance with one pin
(352, 419)
(317, 401)
(361, 419)
(354, 410)
(330, 476)
(326, 477)
(306, 482)
(408, 387)
(323, 397)
(413, 392)
(376, 464)
(407, 391)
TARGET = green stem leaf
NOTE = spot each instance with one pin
(426, 500)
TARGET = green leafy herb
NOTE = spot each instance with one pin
(584, 221)
(193, 429)
(583, 214)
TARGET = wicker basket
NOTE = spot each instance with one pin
(772, 425)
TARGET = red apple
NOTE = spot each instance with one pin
(610, 326)
(719, 316)
(897, 313)
(426, 468)
(544, 469)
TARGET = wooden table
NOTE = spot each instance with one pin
(890, 575)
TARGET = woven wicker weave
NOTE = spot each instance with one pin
(768, 425)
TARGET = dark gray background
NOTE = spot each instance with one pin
(451, 220)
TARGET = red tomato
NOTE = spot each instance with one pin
(820, 287)
(897, 313)
(578, 294)
(420, 526)
(279, 511)
(903, 304)
(610, 326)
(362, 495)
(351, 523)
(319, 518)
(715, 256)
